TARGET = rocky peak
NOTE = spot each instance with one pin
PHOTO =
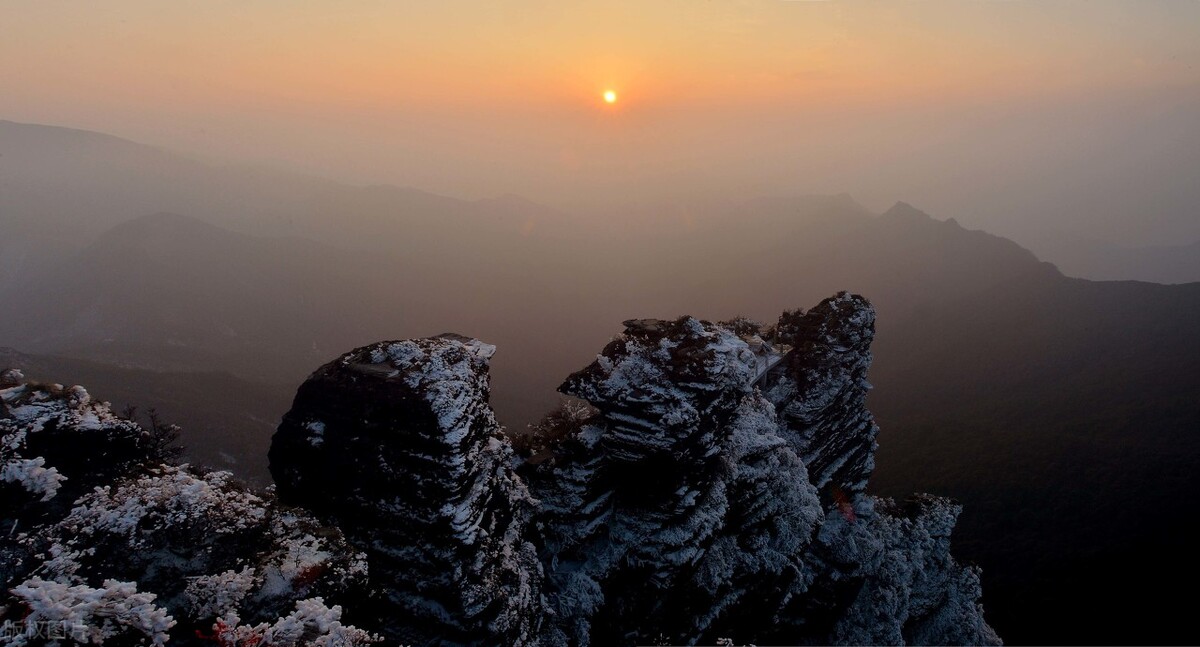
(822, 390)
(718, 491)
(396, 444)
(905, 212)
(666, 389)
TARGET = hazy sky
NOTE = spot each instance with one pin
(1082, 116)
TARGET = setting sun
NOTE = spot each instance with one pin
(657, 423)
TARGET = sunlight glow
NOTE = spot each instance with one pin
(610, 96)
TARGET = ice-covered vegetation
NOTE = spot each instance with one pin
(104, 544)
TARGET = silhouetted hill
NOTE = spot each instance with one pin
(1099, 260)
(81, 182)
(903, 258)
(60, 188)
(172, 292)
(1064, 413)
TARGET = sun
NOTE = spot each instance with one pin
(610, 96)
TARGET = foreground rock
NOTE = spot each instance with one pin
(693, 505)
(822, 391)
(712, 489)
(705, 482)
(103, 543)
(395, 443)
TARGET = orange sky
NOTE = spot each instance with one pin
(478, 98)
(335, 56)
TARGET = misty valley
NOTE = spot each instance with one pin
(1056, 415)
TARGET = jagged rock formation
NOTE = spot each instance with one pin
(694, 506)
(891, 563)
(663, 490)
(396, 444)
(821, 395)
(102, 542)
(712, 488)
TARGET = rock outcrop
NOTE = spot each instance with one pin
(102, 542)
(694, 506)
(655, 511)
(822, 391)
(395, 443)
(57, 443)
(712, 488)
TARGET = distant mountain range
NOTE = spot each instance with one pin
(1109, 261)
(1061, 411)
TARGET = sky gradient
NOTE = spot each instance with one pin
(963, 108)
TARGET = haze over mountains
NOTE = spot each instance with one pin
(1061, 411)
(1178, 263)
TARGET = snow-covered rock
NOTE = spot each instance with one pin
(56, 438)
(822, 391)
(711, 490)
(695, 506)
(56, 444)
(412, 465)
(891, 564)
(151, 551)
(642, 506)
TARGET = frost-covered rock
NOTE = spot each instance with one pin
(758, 563)
(409, 461)
(51, 438)
(695, 506)
(149, 551)
(665, 388)
(892, 565)
(712, 490)
(822, 391)
(678, 510)
(56, 443)
(199, 544)
(634, 501)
